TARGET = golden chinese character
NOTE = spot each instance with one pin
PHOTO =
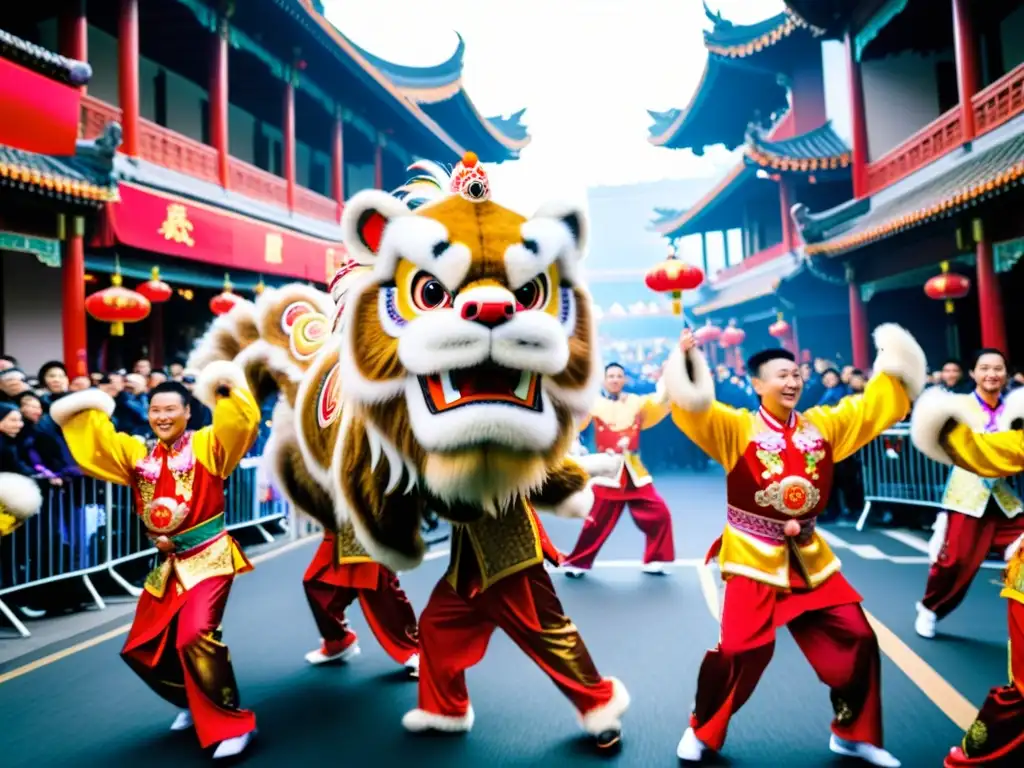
(176, 226)
(274, 249)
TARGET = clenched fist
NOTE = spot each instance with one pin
(686, 340)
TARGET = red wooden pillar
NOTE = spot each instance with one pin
(990, 300)
(338, 162)
(74, 32)
(378, 163)
(858, 326)
(219, 101)
(965, 45)
(857, 121)
(128, 75)
(289, 141)
(72, 278)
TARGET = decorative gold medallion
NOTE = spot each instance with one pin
(164, 515)
(793, 496)
(975, 738)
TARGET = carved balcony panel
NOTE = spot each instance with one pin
(258, 184)
(999, 102)
(936, 139)
(314, 205)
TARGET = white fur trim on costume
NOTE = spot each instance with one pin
(71, 405)
(694, 395)
(608, 716)
(20, 496)
(574, 235)
(932, 411)
(214, 374)
(576, 505)
(1012, 549)
(938, 539)
(275, 359)
(901, 356)
(600, 464)
(1013, 409)
(419, 720)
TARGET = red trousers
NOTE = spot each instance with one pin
(385, 606)
(649, 512)
(968, 542)
(997, 736)
(184, 660)
(455, 630)
(836, 639)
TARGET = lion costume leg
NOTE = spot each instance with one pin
(392, 619)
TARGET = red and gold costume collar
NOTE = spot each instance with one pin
(773, 423)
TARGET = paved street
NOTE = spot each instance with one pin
(87, 709)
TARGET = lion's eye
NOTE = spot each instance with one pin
(428, 293)
(533, 294)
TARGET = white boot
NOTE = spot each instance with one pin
(691, 749)
(412, 665)
(183, 721)
(321, 656)
(233, 747)
(925, 623)
(866, 752)
(654, 568)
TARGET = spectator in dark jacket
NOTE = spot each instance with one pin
(40, 441)
(53, 377)
(833, 388)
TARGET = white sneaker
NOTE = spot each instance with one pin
(320, 655)
(654, 568)
(183, 721)
(864, 751)
(573, 572)
(233, 747)
(925, 623)
(412, 665)
(691, 749)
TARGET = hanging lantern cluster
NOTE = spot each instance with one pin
(947, 286)
(117, 305)
(155, 289)
(224, 301)
(780, 329)
(732, 336)
(707, 334)
(674, 276)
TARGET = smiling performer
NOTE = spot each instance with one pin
(174, 643)
(943, 427)
(468, 357)
(778, 570)
(980, 515)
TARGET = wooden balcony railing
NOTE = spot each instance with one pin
(999, 102)
(170, 149)
(930, 143)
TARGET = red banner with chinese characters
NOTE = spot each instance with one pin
(38, 114)
(168, 224)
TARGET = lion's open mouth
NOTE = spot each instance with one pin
(482, 384)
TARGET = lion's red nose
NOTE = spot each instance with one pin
(489, 313)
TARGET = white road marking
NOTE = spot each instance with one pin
(993, 565)
(912, 541)
(868, 552)
(832, 540)
(688, 563)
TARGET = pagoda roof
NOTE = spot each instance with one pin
(85, 178)
(48, 63)
(973, 179)
(438, 90)
(832, 16)
(715, 202)
(772, 37)
(817, 152)
(747, 286)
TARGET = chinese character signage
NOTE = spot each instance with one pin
(176, 227)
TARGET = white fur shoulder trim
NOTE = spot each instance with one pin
(71, 405)
(20, 496)
(695, 395)
(608, 716)
(215, 373)
(932, 411)
(900, 355)
(1013, 409)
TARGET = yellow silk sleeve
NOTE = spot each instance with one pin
(720, 431)
(585, 422)
(989, 454)
(236, 422)
(653, 409)
(99, 449)
(7, 523)
(858, 420)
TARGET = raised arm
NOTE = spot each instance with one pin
(654, 407)
(718, 430)
(222, 388)
(899, 375)
(939, 429)
(98, 449)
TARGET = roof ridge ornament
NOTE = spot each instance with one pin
(716, 18)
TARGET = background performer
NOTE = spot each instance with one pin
(174, 643)
(778, 570)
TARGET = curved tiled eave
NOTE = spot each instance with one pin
(814, 152)
(474, 131)
(52, 177)
(744, 41)
(48, 63)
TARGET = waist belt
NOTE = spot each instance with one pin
(199, 534)
(766, 528)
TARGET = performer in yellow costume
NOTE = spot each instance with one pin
(778, 570)
(178, 487)
(943, 429)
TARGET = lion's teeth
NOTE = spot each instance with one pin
(451, 393)
(523, 390)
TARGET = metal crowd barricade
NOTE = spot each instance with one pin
(895, 472)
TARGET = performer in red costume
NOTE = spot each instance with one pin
(174, 644)
(943, 428)
(618, 420)
(777, 570)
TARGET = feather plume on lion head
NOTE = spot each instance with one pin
(468, 351)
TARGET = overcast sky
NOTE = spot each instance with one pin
(586, 70)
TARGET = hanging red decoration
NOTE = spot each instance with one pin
(224, 301)
(732, 336)
(780, 329)
(155, 289)
(673, 276)
(117, 305)
(948, 287)
(707, 333)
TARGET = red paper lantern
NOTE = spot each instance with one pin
(779, 329)
(673, 276)
(707, 333)
(947, 287)
(155, 289)
(224, 301)
(732, 336)
(117, 305)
